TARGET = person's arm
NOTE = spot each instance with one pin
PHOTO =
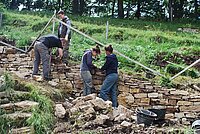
(68, 29)
(105, 66)
(60, 51)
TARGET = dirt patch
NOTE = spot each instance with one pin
(162, 59)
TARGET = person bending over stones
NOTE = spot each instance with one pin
(110, 83)
(41, 49)
(86, 68)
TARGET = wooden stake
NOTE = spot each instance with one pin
(197, 61)
(31, 46)
(6, 44)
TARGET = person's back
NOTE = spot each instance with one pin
(51, 41)
(111, 65)
(86, 58)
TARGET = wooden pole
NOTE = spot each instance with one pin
(102, 45)
(107, 26)
(0, 19)
(53, 30)
(31, 46)
(197, 61)
(6, 44)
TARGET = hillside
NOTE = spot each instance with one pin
(151, 43)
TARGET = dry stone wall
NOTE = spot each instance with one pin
(182, 105)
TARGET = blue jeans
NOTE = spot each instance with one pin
(87, 82)
(110, 87)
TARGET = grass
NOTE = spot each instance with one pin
(42, 118)
(142, 40)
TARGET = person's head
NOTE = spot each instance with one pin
(96, 51)
(109, 50)
(61, 14)
(63, 41)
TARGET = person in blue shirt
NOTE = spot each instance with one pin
(86, 68)
(110, 83)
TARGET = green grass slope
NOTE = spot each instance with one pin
(151, 43)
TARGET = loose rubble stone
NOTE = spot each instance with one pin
(67, 104)
(60, 111)
(99, 103)
(101, 119)
(126, 124)
(52, 83)
(120, 118)
(122, 109)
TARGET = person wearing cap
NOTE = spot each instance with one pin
(86, 68)
(41, 51)
(64, 32)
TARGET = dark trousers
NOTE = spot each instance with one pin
(41, 53)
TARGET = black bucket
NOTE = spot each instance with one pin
(145, 117)
(160, 115)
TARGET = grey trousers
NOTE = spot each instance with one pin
(87, 82)
(41, 53)
(65, 57)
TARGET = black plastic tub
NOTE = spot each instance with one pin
(160, 113)
(145, 117)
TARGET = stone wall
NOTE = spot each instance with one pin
(182, 105)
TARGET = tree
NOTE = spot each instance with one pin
(120, 9)
(14, 4)
(75, 6)
(113, 8)
(138, 11)
(196, 8)
(82, 7)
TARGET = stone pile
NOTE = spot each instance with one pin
(90, 114)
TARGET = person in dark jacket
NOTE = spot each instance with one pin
(110, 83)
(86, 68)
(64, 32)
(41, 51)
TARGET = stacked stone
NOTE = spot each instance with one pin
(12, 61)
(181, 106)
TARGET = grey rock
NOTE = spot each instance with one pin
(60, 111)
(126, 124)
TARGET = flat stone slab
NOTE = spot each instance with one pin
(18, 115)
(19, 105)
(15, 93)
(23, 130)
